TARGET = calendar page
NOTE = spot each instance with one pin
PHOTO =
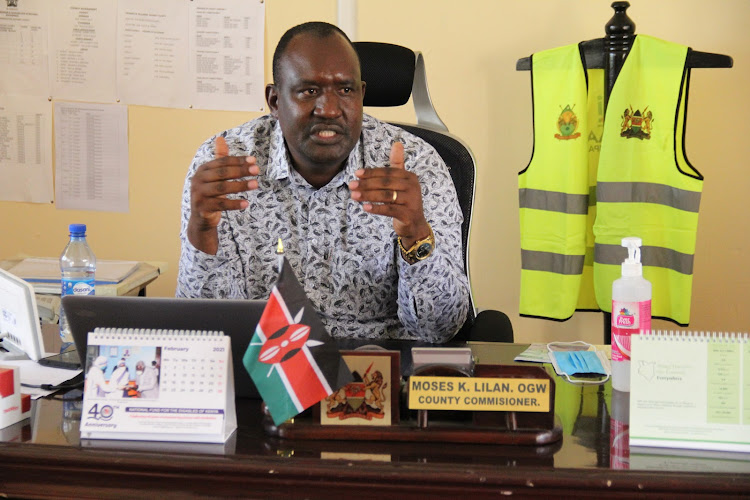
(158, 385)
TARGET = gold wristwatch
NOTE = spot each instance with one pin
(420, 250)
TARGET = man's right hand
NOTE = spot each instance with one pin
(209, 188)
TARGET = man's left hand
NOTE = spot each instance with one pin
(393, 192)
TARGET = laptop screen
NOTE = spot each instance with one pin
(236, 318)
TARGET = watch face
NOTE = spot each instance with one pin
(423, 250)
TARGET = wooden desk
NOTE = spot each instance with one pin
(44, 458)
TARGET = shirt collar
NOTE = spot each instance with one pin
(280, 165)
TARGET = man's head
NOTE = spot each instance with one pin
(317, 97)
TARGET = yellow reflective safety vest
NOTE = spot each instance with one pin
(644, 185)
(556, 206)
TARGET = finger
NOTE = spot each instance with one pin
(215, 205)
(397, 155)
(385, 209)
(221, 148)
(227, 168)
(221, 188)
(382, 192)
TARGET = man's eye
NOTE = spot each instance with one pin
(310, 91)
(347, 90)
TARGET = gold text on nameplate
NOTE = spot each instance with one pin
(479, 394)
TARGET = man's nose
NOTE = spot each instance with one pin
(328, 105)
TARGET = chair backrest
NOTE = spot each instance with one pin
(393, 74)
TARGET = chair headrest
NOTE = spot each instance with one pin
(388, 70)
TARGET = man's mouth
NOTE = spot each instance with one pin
(327, 132)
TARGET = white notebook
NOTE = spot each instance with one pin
(690, 390)
(158, 385)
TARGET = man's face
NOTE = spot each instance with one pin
(318, 102)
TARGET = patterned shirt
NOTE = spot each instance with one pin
(346, 259)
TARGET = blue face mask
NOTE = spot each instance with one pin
(577, 363)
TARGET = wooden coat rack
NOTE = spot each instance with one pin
(609, 53)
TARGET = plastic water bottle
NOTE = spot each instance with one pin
(77, 267)
(631, 312)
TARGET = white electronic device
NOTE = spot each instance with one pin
(20, 331)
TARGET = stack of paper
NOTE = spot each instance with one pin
(44, 273)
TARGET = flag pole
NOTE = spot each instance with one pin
(280, 254)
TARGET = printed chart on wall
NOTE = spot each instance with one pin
(91, 156)
(25, 159)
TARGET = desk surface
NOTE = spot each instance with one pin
(46, 450)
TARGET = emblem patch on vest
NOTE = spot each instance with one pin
(636, 124)
(567, 123)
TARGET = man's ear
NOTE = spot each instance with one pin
(272, 99)
(364, 87)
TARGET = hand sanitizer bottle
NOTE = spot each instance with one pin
(631, 312)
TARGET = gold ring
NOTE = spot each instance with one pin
(395, 195)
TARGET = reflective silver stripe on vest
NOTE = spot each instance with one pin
(553, 201)
(650, 256)
(532, 260)
(647, 192)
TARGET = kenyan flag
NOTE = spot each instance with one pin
(292, 359)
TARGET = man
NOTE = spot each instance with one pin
(147, 380)
(340, 190)
(120, 377)
(96, 385)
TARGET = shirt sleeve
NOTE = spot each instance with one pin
(433, 294)
(202, 275)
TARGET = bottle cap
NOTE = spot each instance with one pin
(632, 265)
(77, 229)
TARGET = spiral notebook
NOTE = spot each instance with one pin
(690, 390)
(158, 385)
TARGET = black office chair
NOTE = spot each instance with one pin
(394, 73)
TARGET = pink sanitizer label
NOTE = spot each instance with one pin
(628, 318)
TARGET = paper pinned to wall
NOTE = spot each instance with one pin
(25, 156)
(91, 156)
(82, 47)
(152, 55)
(226, 55)
(24, 32)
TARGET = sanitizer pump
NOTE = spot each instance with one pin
(631, 312)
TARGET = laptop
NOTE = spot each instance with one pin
(236, 318)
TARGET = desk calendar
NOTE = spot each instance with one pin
(158, 385)
(690, 390)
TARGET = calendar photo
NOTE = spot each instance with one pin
(116, 372)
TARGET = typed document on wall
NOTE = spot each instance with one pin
(152, 54)
(82, 50)
(23, 48)
(91, 156)
(226, 56)
(25, 156)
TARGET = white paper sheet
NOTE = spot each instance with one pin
(152, 53)
(25, 148)
(23, 48)
(32, 373)
(91, 156)
(82, 50)
(226, 56)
